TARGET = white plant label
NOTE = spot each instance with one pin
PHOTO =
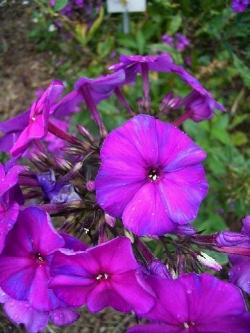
(121, 6)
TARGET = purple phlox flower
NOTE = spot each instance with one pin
(11, 128)
(230, 238)
(79, 3)
(102, 276)
(181, 42)
(194, 303)
(167, 39)
(26, 258)
(73, 243)
(239, 6)
(37, 127)
(90, 185)
(170, 102)
(157, 268)
(94, 91)
(133, 64)
(240, 271)
(59, 113)
(56, 191)
(52, 3)
(54, 144)
(200, 106)
(9, 201)
(101, 87)
(146, 167)
(110, 220)
(22, 312)
(186, 229)
(67, 105)
(164, 63)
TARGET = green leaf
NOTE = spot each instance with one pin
(140, 41)
(239, 138)
(175, 24)
(60, 4)
(243, 70)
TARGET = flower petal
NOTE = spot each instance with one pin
(182, 192)
(146, 213)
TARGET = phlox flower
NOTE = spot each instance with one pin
(240, 270)
(151, 176)
(102, 276)
(9, 201)
(26, 259)
(195, 304)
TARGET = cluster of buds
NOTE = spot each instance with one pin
(80, 212)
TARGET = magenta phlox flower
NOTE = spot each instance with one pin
(133, 64)
(101, 87)
(193, 303)
(25, 260)
(151, 175)
(21, 312)
(9, 200)
(167, 39)
(56, 191)
(93, 91)
(68, 105)
(37, 127)
(164, 63)
(240, 270)
(200, 105)
(181, 42)
(11, 129)
(239, 6)
(106, 275)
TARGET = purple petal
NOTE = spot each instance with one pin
(102, 87)
(191, 186)
(68, 105)
(15, 124)
(240, 272)
(39, 294)
(16, 275)
(63, 316)
(23, 313)
(73, 290)
(156, 328)
(39, 229)
(175, 156)
(115, 256)
(235, 324)
(146, 213)
(131, 291)
(73, 243)
(104, 296)
(7, 220)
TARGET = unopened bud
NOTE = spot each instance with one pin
(229, 238)
(208, 261)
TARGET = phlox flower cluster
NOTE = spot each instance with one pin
(179, 41)
(81, 213)
(240, 6)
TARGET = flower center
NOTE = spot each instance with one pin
(188, 325)
(39, 258)
(102, 277)
(153, 175)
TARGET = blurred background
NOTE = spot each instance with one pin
(41, 40)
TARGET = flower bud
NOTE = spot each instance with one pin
(208, 261)
(229, 238)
